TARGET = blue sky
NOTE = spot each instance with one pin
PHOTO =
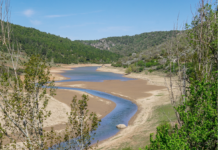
(96, 19)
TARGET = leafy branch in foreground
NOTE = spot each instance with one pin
(24, 99)
(197, 112)
(23, 104)
(199, 121)
(80, 127)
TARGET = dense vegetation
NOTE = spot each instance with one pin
(58, 49)
(126, 45)
(196, 108)
(155, 58)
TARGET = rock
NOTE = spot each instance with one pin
(133, 54)
(121, 126)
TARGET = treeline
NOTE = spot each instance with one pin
(56, 48)
(126, 45)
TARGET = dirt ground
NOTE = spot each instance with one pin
(147, 91)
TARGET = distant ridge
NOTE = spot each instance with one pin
(125, 45)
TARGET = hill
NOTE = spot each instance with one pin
(58, 49)
(126, 45)
(157, 57)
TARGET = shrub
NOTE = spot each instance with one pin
(150, 70)
(128, 70)
(141, 69)
(140, 63)
(134, 68)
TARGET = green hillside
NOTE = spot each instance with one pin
(157, 57)
(58, 49)
(125, 45)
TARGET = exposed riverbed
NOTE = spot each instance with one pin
(124, 109)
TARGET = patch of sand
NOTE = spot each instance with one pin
(153, 79)
(78, 85)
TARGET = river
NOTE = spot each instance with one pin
(124, 109)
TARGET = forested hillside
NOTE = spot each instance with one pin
(156, 57)
(58, 49)
(125, 45)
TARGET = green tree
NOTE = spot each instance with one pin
(197, 112)
(23, 100)
(199, 121)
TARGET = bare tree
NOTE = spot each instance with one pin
(201, 53)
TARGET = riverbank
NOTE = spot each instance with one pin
(56, 71)
(145, 91)
(59, 105)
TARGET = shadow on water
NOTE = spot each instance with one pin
(121, 114)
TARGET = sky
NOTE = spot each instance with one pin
(96, 19)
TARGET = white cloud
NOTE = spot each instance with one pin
(28, 12)
(114, 29)
(35, 22)
(57, 16)
(80, 25)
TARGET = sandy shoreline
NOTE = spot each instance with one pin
(59, 105)
(55, 71)
(143, 92)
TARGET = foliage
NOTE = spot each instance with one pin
(61, 50)
(197, 113)
(128, 70)
(117, 64)
(80, 127)
(150, 70)
(24, 102)
(126, 45)
(199, 117)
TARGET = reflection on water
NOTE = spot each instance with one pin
(124, 109)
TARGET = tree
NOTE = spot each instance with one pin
(199, 121)
(197, 111)
(80, 127)
(24, 99)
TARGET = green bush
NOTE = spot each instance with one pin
(128, 70)
(118, 64)
(198, 115)
(140, 63)
(150, 70)
(141, 69)
(159, 67)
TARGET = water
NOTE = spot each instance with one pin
(124, 109)
(90, 74)
(121, 114)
